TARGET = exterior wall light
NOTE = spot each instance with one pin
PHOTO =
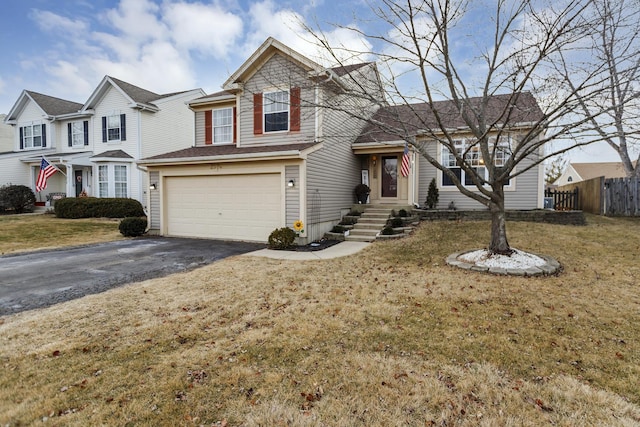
(291, 183)
(153, 186)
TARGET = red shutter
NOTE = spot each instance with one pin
(235, 126)
(295, 109)
(257, 113)
(208, 131)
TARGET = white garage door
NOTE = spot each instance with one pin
(236, 207)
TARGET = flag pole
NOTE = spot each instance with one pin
(54, 166)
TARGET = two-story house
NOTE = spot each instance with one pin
(270, 150)
(95, 145)
(266, 153)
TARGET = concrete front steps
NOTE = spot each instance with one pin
(372, 220)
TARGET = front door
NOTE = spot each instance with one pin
(389, 176)
(78, 175)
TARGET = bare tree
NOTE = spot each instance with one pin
(555, 169)
(616, 44)
(505, 62)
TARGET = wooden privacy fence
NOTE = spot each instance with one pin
(590, 194)
(563, 200)
(622, 196)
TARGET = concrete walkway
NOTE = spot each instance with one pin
(338, 250)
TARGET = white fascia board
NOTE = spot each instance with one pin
(275, 155)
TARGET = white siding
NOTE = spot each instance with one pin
(13, 171)
(171, 128)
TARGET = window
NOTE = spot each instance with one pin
(114, 128)
(120, 180)
(78, 133)
(276, 111)
(33, 136)
(103, 181)
(112, 181)
(473, 158)
(223, 125)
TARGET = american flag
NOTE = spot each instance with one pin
(46, 170)
(404, 169)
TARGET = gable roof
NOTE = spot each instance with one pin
(50, 105)
(414, 119)
(593, 170)
(265, 51)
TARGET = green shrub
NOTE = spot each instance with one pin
(403, 213)
(282, 238)
(396, 222)
(387, 231)
(338, 229)
(18, 198)
(348, 221)
(433, 194)
(92, 207)
(133, 226)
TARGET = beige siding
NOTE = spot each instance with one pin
(199, 133)
(277, 74)
(292, 194)
(523, 193)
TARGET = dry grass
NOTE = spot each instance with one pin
(19, 233)
(387, 337)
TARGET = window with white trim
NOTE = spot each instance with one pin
(113, 181)
(120, 180)
(276, 111)
(113, 127)
(473, 158)
(103, 181)
(77, 134)
(222, 125)
(31, 136)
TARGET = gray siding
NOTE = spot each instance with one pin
(292, 194)
(277, 74)
(334, 171)
(199, 117)
(524, 194)
(154, 201)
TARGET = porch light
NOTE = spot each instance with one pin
(291, 183)
(153, 186)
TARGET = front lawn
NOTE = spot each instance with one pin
(20, 233)
(388, 337)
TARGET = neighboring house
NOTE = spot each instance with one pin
(96, 145)
(576, 172)
(6, 136)
(266, 154)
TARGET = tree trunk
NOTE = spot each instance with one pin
(499, 243)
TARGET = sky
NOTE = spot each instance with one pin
(64, 48)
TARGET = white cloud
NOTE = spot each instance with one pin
(49, 21)
(137, 20)
(70, 80)
(206, 28)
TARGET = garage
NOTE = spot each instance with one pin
(233, 207)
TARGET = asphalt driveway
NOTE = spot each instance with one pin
(43, 278)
